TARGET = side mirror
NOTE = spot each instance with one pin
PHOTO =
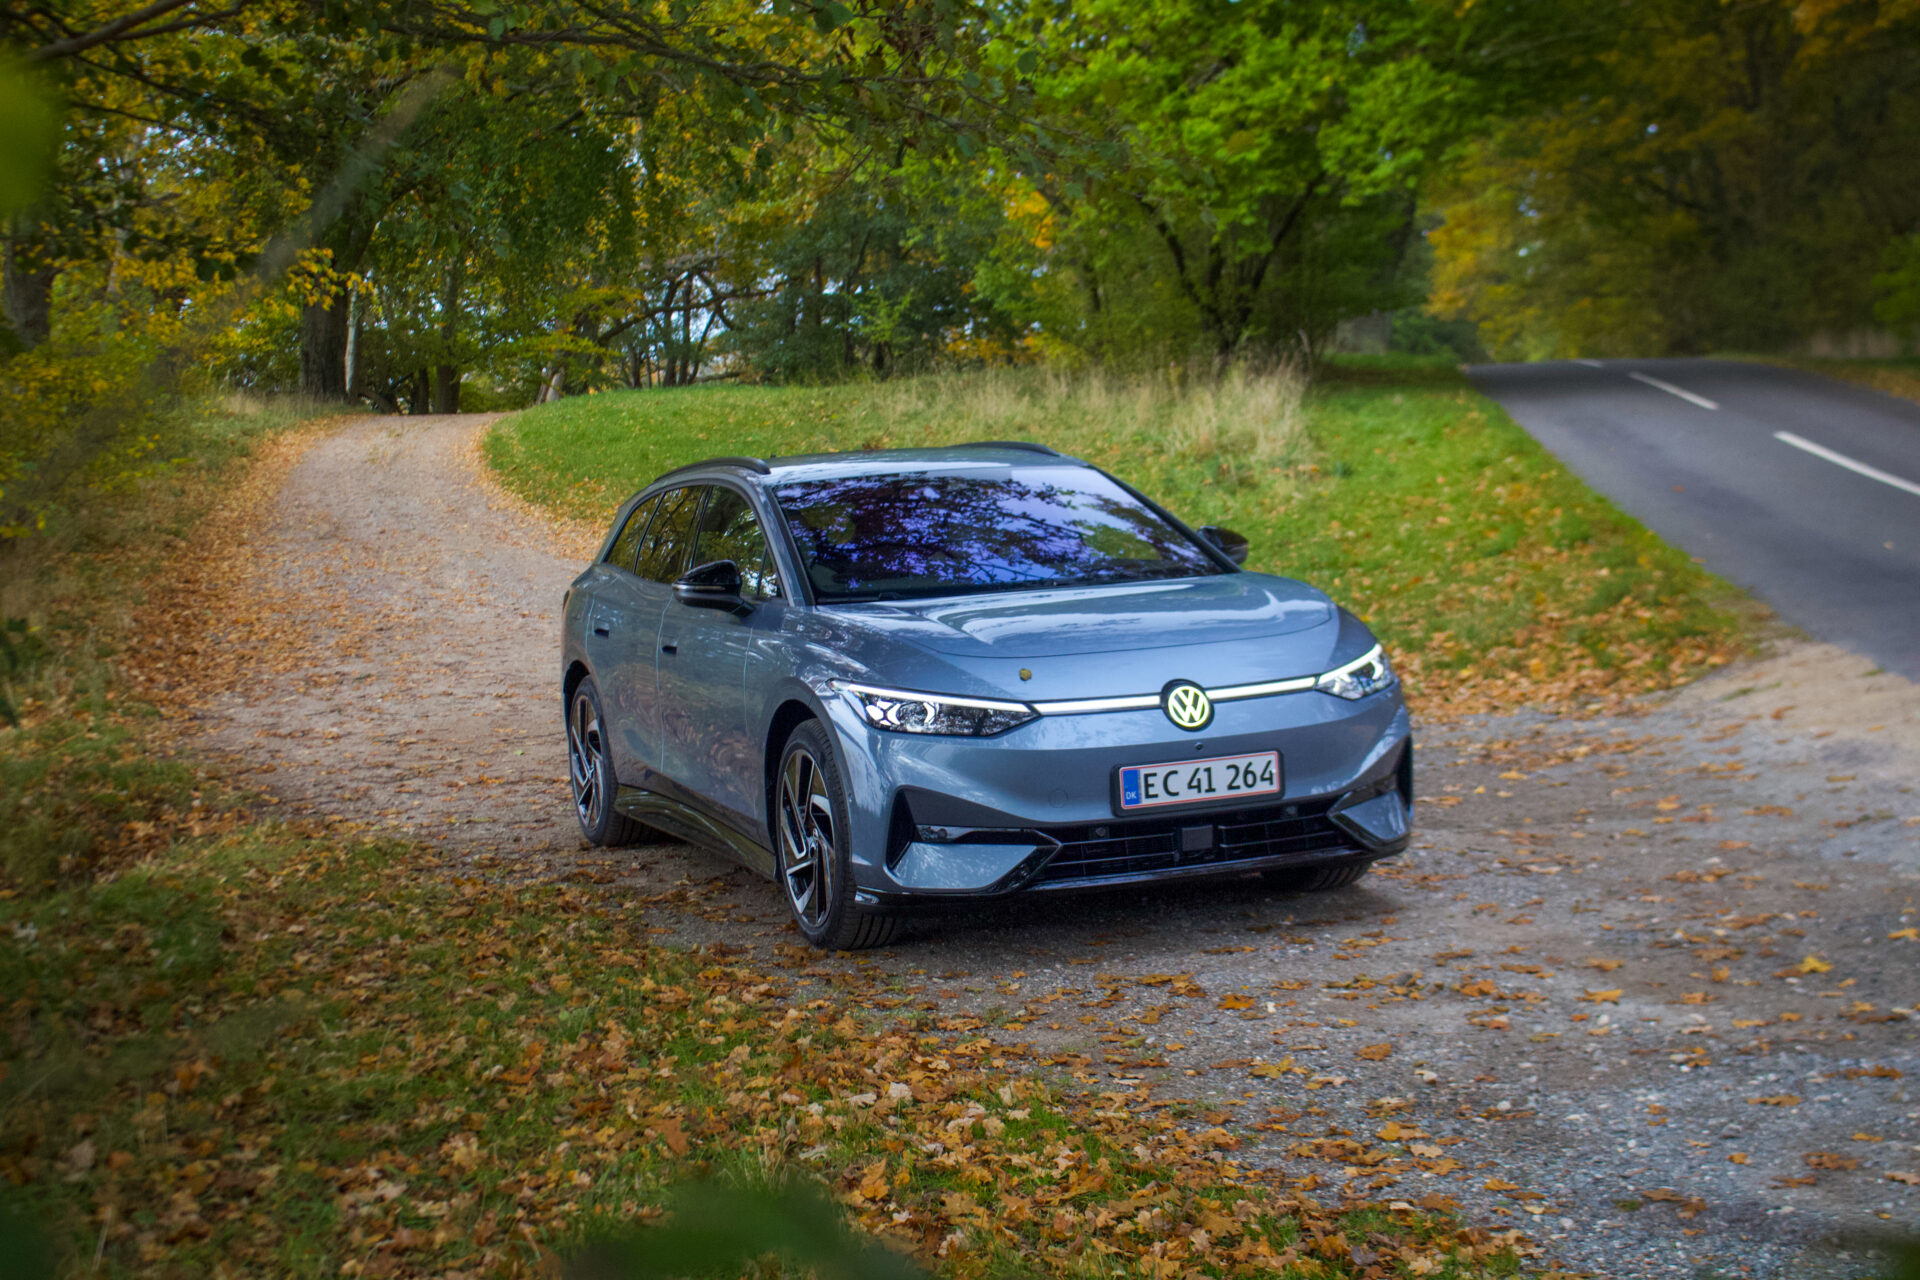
(1230, 543)
(710, 586)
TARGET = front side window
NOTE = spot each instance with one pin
(977, 530)
(730, 531)
(663, 552)
(627, 545)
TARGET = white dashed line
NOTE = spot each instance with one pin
(1672, 390)
(1851, 464)
(1591, 364)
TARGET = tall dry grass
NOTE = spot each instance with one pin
(1245, 416)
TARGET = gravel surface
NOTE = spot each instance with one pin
(1645, 988)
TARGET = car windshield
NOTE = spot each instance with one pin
(885, 537)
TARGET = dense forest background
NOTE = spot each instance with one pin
(429, 205)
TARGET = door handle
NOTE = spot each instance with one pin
(602, 631)
(669, 648)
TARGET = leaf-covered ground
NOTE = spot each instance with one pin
(284, 1052)
(235, 1045)
(1495, 576)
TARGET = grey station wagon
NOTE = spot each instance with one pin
(899, 679)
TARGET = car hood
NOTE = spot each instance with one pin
(1105, 619)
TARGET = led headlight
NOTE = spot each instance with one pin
(905, 712)
(1368, 673)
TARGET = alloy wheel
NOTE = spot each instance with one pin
(808, 858)
(584, 753)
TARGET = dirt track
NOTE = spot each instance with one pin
(1644, 989)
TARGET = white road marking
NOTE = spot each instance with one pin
(1591, 364)
(1672, 390)
(1851, 464)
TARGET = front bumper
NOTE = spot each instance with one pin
(938, 818)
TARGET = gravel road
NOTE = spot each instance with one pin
(1645, 988)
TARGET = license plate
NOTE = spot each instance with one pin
(1151, 786)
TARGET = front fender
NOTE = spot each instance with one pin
(867, 795)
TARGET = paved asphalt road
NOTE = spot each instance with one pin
(1802, 489)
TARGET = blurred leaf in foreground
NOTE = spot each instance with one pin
(23, 1251)
(29, 131)
(1903, 1259)
(713, 1229)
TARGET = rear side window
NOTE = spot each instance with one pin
(663, 552)
(730, 531)
(627, 545)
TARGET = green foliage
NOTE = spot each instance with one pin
(1268, 159)
(490, 203)
(1714, 177)
(31, 127)
(75, 413)
(875, 273)
(1897, 287)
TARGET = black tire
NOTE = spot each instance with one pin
(811, 865)
(590, 773)
(1315, 879)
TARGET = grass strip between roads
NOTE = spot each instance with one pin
(238, 1046)
(1494, 575)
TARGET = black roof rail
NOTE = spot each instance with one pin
(756, 465)
(1028, 445)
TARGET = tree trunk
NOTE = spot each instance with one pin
(28, 291)
(446, 377)
(323, 349)
(353, 341)
(446, 389)
(324, 324)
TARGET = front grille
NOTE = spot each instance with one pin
(1142, 845)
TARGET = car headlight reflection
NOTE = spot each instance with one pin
(902, 711)
(1368, 673)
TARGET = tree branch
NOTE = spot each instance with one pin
(121, 28)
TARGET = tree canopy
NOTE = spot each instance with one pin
(428, 204)
(1722, 174)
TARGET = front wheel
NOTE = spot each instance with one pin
(590, 772)
(811, 832)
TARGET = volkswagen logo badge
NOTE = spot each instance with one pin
(1187, 704)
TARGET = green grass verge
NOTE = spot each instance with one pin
(1492, 572)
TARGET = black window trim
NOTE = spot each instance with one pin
(1207, 547)
(686, 552)
(773, 528)
(799, 587)
(794, 587)
(758, 501)
(620, 527)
